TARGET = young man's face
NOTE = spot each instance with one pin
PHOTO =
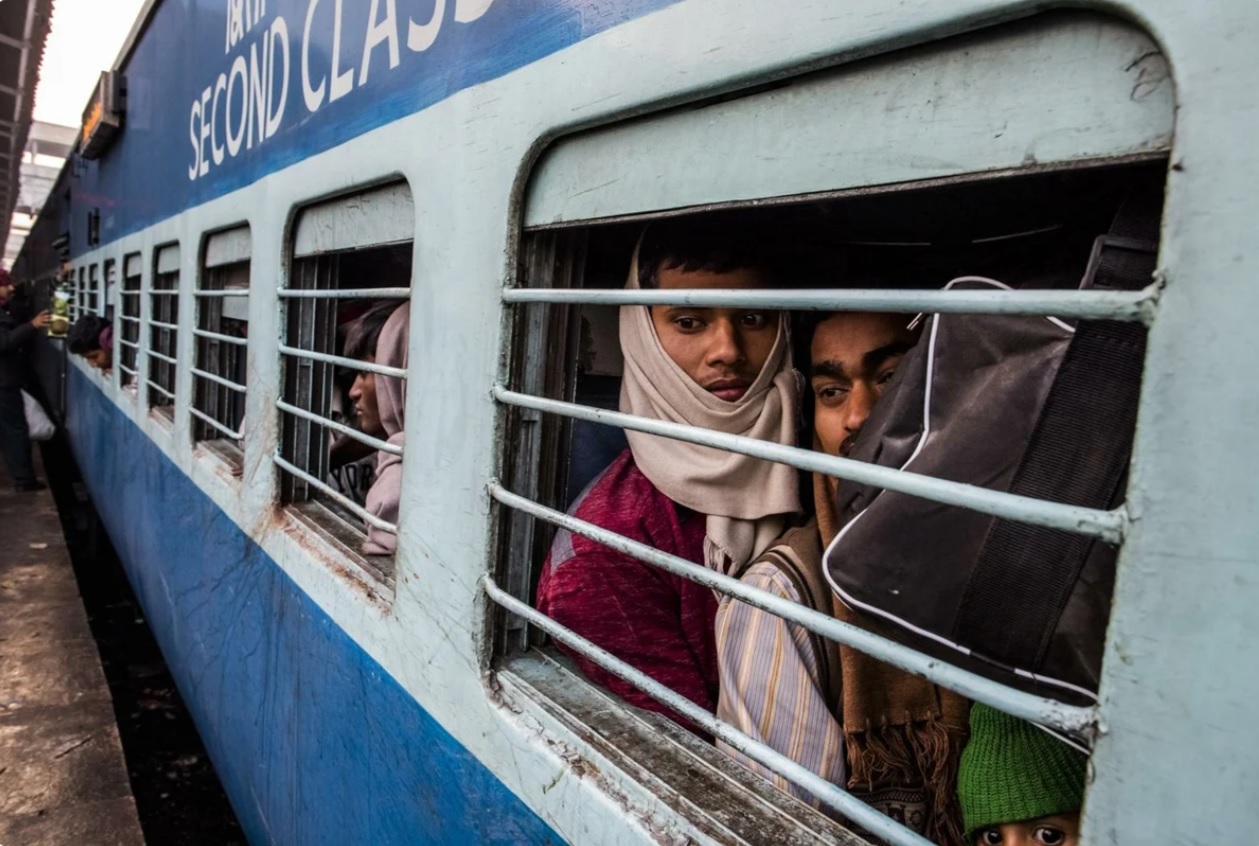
(363, 394)
(854, 356)
(1061, 830)
(722, 349)
(101, 359)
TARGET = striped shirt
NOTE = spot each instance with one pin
(770, 687)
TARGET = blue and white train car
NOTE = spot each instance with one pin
(251, 169)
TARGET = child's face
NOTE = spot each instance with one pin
(1061, 830)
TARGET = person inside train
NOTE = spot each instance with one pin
(92, 337)
(888, 737)
(723, 369)
(1019, 785)
(380, 401)
(351, 462)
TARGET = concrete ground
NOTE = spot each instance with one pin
(63, 778)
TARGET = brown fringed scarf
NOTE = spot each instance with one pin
(904, 735)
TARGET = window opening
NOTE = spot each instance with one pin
(222, 331)
(351, 269)
(164, 331)
(129, 321)
(901, 248)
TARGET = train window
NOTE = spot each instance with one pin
(858, 210)
(351, 269)
(1025, 232)
(218, 395)
(94, 305)
(163, 322)
(109, 272)
(129, 321)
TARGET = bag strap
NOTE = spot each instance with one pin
(1078, 453)
(799, 558)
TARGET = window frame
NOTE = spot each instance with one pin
(162, 337)
(372, 217)
(109, 270)
(521, 408)
(94, 290)
(220, 361)
(130, 323)
(80, 291)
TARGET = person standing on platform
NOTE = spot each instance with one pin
(16, 338)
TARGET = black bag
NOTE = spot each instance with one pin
(1030, 405)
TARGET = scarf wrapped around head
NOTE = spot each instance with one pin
(391, 400)
(746, 500)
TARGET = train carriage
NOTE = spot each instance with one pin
(250, 171)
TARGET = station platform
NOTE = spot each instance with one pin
(63, 777)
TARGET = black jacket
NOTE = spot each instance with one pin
(15, 347)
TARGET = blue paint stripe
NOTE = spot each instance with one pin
(315, 743)
(144, 177)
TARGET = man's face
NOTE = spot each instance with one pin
(101, 359)
(721, 349)
(363, 394)
(6, 290)
(854, 356)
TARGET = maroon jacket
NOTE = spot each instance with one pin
(660, 623)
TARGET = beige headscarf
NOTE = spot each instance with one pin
(746, 500)
(391, 401)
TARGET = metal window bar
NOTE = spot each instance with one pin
(351, 363)
(216, 425)
(326, 489)
(850, 806)
(1107, 525)
(346, 293)
(1137, 306)
(218, 380)
(349, 431)
(217, 336)
(156, 387)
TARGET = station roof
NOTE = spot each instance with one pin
(24, 26)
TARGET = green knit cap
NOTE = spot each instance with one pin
(1012, 771)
